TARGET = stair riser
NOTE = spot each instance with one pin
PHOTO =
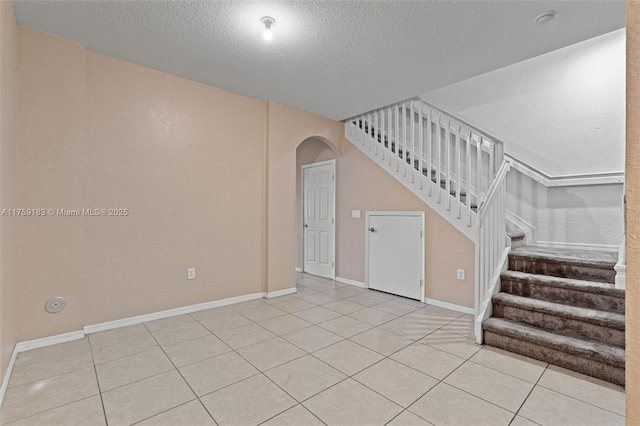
(588, 366)
(517, 242)
(561, 325)
(563, 270)
(563, 295)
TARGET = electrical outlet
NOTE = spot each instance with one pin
(191, 273)
(461, 274)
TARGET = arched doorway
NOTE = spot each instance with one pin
(314, 163)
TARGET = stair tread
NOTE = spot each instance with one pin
(516, 234)
(609, 354)
(596, 287)
(599, 259)
(594, 316)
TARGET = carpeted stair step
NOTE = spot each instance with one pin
(575, 264)
(595, 359)
(584, 323)
(583, 294)
(517, 238)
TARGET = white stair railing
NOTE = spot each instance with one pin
(491, 251)
(456, 169)
(454, 156)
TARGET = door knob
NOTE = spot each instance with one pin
(306, 226)
(373, 230)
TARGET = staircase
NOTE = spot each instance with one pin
(558, 306)
(561, 307)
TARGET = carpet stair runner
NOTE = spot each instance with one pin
(561, 307)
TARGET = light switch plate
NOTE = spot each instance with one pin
(355, 214)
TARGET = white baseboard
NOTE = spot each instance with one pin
(298, 269)
(449, 306)
(351, 282)
(7, 374)
(48, 341)
(279, 293)
(33, 344)
(577, 246)
(109, 325)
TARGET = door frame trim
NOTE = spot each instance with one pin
(368, 215)
(302, 204)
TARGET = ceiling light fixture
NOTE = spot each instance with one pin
(545, 18)
(268, 22)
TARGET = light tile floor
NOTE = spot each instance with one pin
(331, 354)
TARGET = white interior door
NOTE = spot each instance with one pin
(319, 218)
(396, 253)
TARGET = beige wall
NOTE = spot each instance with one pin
(363, 185)
(8, 283)
(632, 184)
(287, 128)
(97, 132)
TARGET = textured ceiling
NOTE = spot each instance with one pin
(332, 58)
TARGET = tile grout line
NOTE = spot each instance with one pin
(158, 346)
(506, 374)
(481, 398)
(443, 381)
(260, 372)
(95, 371)
(182, 377)
(435, 378)
(537, 384)
(61, 405)
(529, 394)
(330, 366)
(164, 411)
(51, 409)
(352, 376)
(51, 377)
(577, 399)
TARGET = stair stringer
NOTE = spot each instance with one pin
(430, 193)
